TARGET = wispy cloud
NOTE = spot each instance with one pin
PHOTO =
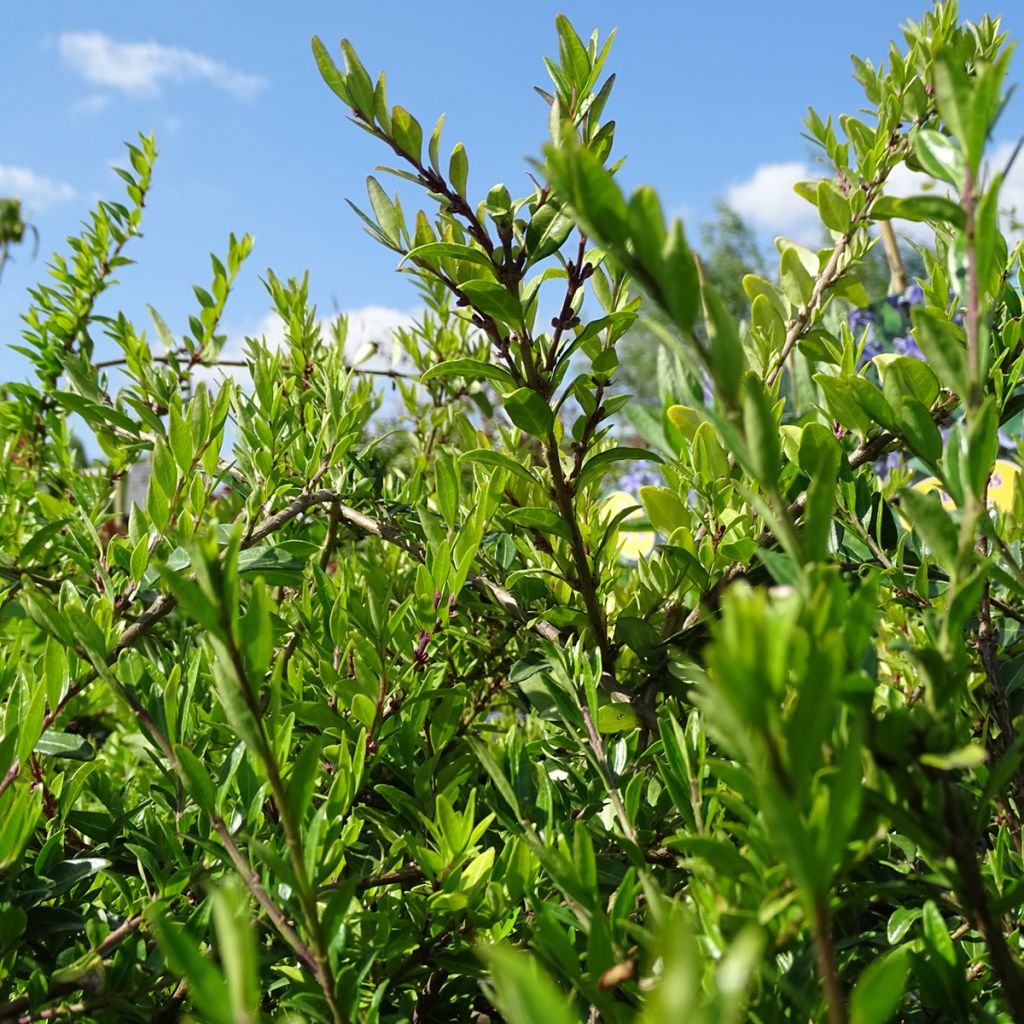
(34, 190)
(1011, 195)
(93, 103)
(767, 202)
(142, 68)
(368, 338)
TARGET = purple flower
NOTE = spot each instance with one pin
(914, 295)
(887, 463)
(907, 347)
(632, 481)
(861, 318)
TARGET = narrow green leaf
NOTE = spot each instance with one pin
(499, 460)
(522, 991)
(761, 431)
(65, 744)
(597, 465)
(919, 208)
(329, 71)
(473, 369)
(197, 781)
(879, 990)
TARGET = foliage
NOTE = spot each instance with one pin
(341, 726)
(729, 251)
(12, 228)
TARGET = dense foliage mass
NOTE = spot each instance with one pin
(356, 724)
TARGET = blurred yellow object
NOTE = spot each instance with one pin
(1001, 486)
(630, 544)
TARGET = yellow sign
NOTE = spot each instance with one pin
(630, 544)
(1001, 486)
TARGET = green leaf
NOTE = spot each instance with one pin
(473, 369)
(761, 431)
(597, 201)
(900, 922)
(928, 518)
(943, 346)
(989, 245)
(940, 156)
(547, 231)
(819, 455)
(538, 518)
(522, 991)
(329, 71)
(597, 465)
(446, 477)
(919, 208)
(302, 779)
(458, 169)
(388, 217)
(180, 437)
(982, 445)
(833, 206)
(255, 632)
(936, 934)
(357, 81)
(407, 133)
(64, 744)
(665, 509)
(205, 982)
(879, 990)
(530, 412)
(616, 718)
(434, 251)
(969, 756)
(197, 781)
(727, 356)
(905, 376)
(499, 460)
(953, 96)
(841, 405)
(797, 283)
(18, 822)
(494, 300)
(872, 401)
(915, 423)
(236, 946)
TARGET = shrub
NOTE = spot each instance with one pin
(347, 724)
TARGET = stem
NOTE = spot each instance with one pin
(825, 954)
(897, 272)
(609, 781)
(252, 882)
(293, 839)
(586, 581)
(971, 318)
(975, 898)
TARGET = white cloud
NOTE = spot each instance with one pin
(1011, 194)
(93, 103)
(368, 338)
(767, 202)
(34, 190)
(142, 68)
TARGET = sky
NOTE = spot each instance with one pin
(709, 100)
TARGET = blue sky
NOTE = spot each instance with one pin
(709, 100)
